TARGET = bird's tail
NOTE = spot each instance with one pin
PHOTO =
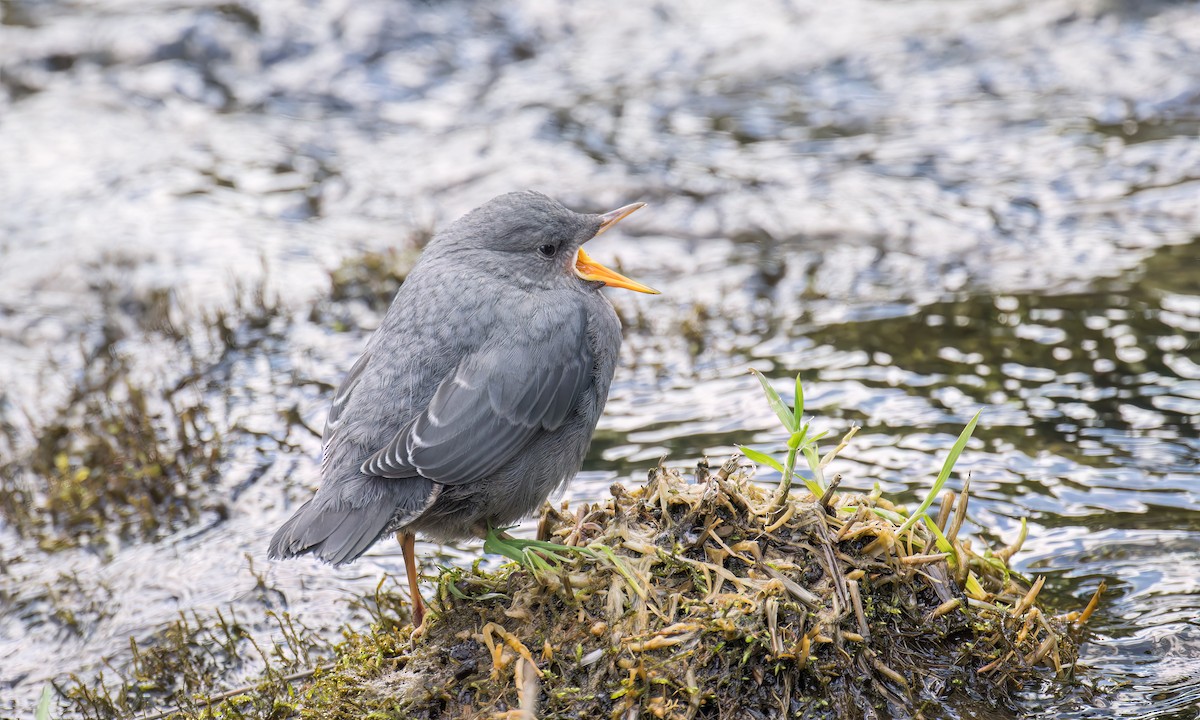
(339, 532)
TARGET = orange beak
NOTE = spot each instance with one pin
(588, 269)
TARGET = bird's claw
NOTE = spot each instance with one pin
(538, 556)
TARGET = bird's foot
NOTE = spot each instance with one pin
(537, 556)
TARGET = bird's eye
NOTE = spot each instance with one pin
(548, 250)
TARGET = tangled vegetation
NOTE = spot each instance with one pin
(128, 453)
(362, 288)
(117, 459)
(710, 599)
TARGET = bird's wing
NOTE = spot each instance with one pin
(491, 406)
(340, 400)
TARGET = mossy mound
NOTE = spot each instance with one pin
(714, 598)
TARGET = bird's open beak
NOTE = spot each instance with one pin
(589, 269)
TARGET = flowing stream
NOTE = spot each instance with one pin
(923, 207)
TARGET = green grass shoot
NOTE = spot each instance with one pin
(944, 475)
(799, 441)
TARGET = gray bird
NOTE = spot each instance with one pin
(478, 395)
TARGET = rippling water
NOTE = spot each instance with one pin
(922, 207)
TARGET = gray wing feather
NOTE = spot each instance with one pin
(490, 407)
(340, 400)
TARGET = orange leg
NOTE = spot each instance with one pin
(407, 541)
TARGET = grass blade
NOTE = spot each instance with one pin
(944, 475)
(43, 706)
(777, 404)
(798, 409)
(973, 588)
(761, 457)
(810, 455)
(939, 538)
(814, 486)
(620, 566)
(494, 545)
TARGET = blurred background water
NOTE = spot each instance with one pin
(924, 207)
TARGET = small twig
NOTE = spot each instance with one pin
(887, 672)
(1047, 645)
(731, 493)
(829, 456)
(923, 559)
(496, 649)
(1007, 552)
(771, 609)
(860, 514)
(728, 467)
(946, 608)
(856, 601)
(944, 513)
(960, 510)
(1091, 606)
(798, 591)
(1030, 620)
(1030, 596)
(828, 496)
(787, 515)
(831, 569)
(995, 663)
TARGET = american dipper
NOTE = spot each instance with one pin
(478, 394)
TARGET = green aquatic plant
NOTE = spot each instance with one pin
(134, 449)
(184, 666)
(944, 475)
(362, 287)
(799, 442)
(701, 599)
(120, 460)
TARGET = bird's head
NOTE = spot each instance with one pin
(533, 240)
